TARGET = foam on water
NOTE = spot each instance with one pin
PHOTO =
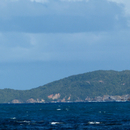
(94, 123)
(54, 123)
(58, 109)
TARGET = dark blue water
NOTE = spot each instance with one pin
(80, 116)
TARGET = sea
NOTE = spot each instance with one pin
(66, 116)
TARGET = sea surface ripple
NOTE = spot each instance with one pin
(75, 116)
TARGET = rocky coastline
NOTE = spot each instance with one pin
(56, 99)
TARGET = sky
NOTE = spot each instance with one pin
(46, 40)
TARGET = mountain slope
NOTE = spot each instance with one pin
(77, 87)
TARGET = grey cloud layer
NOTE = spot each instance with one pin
(61, 16)
(60, 30)
(65, 47)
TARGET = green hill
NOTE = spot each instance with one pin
(76, 87)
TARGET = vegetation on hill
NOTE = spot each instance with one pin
(77, 87)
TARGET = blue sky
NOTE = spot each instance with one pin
(46, 40)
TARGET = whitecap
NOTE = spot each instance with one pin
(26, 121)
(97, 122)
(93, 123)
(54, 123)
(58, 109)
(90, 122)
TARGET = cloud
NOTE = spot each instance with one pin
(40, 1)
(45, 1)
(88, 46)
(62, 30)
(61, 17)
(125, 3)
(74, 0)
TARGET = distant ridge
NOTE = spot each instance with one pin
(91, 86)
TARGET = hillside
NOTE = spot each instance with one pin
(73, 88)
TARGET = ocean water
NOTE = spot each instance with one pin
(75, 116)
